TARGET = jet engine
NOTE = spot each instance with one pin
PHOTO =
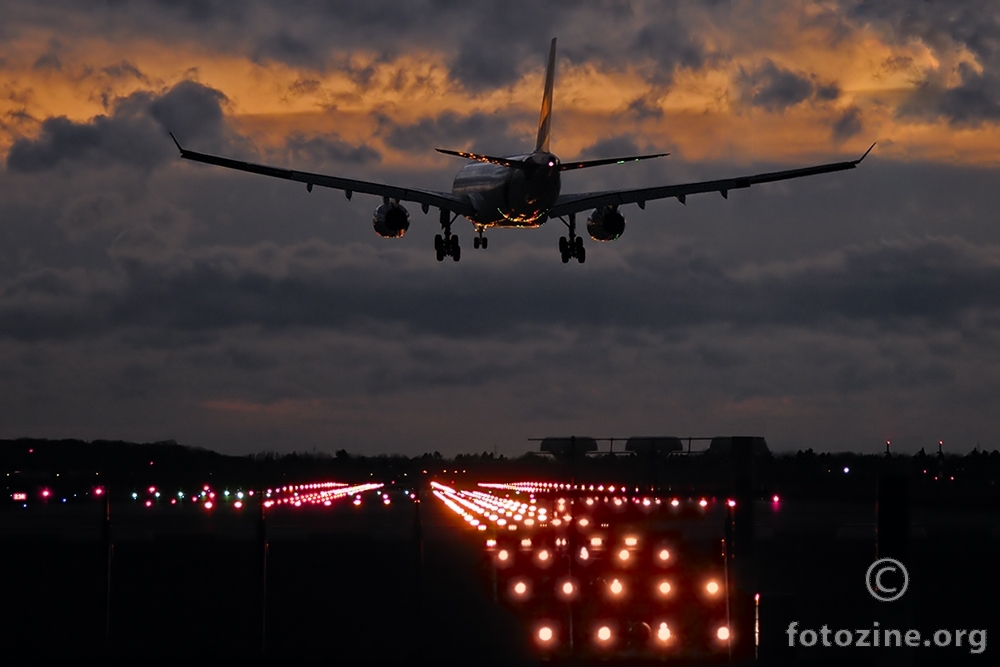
(605, 223)
(391, 220)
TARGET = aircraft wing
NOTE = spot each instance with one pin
(575, 203)
(445, 200)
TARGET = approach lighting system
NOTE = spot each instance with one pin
(613, 564)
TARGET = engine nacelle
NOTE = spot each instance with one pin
(605, 224)
(390, 221)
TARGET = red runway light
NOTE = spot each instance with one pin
(546, 635)
(604, 636)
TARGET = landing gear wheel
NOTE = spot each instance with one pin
(484, 243)
(581, 254)
(562, 246)
(475, 243)
(578, 245)
(456, 250)
(439, 248)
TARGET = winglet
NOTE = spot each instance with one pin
(545, 116)
(176, 143)
(858, 161)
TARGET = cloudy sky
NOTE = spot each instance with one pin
(144, 297)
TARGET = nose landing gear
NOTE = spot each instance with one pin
(480, 241)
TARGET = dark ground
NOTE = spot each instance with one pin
(344, 585)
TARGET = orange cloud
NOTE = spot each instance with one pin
(699, 115)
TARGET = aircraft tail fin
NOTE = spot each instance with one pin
(545, 117)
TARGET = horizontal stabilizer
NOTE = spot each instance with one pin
(502, 161)
(583, 164)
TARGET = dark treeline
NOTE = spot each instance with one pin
(76, 466)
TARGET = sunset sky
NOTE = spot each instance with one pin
(143, 297)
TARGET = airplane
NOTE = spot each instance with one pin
(516, 191)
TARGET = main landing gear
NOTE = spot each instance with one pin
(573, 246)
(447, 245)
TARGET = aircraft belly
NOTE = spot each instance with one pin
(502, 198)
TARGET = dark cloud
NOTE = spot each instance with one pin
(328, 150)
(479, 131)
(933, 282)
(945, 27)
(98, 142)
(190, 110)
(827, 93)
(611, 147)
(203, 11)
(774, 88)
(48, 61)
(125, 70)
(645, 107)
(847, 125)
(283, 47)
(133, 134)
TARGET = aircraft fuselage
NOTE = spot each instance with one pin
(510, 196)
